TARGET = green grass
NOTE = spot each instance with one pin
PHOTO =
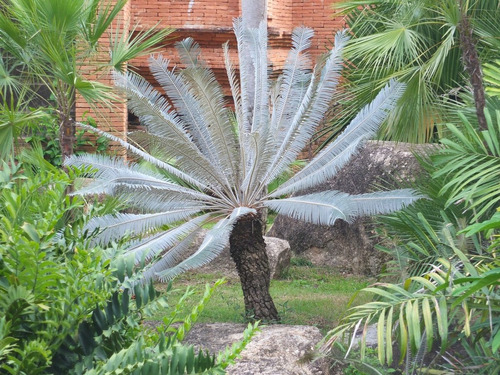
(306, 295)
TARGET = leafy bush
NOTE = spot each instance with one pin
(447, 303)
(45, 132)
(67, 308)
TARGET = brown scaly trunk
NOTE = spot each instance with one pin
(64, 100)
(472, 66)
(248, 251)
(67, 136)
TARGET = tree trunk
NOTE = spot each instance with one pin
(472, 66)
(248, 251)
(67, 136)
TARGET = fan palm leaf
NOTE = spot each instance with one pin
(419, 43)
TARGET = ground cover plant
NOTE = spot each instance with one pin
(207, 163)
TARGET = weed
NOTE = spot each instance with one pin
(300, 262)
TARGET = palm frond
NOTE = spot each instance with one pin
(160, 200)
(245, 76)
(188, 108)
(472, 157)
(148, 157)
(149, 247)
(173, 256)
(320, 208)
(383, 202)
(127, 46)
(113, 227)
(315, 101)
(492, 78)
(401, 311)
(152, 109)
(110, 173)
(209, 94)
(213, 244)
(294, 73)
(331, 159)
(257, 42)
(189, 53)
(312, 109)
(235, 88)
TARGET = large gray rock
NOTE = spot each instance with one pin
(276, 350)
(278, 252)
(349, 248)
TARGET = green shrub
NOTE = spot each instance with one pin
(68, 308)
(443, 315)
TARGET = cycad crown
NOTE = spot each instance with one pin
(219, 162)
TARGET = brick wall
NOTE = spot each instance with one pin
(209, 22)
(112, 119)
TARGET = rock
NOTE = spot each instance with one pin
(349, 248)
(276, 350)
(278, 252)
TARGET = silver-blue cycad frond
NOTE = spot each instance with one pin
(213, 164)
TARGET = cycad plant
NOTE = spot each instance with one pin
(210, 164)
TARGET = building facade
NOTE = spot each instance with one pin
(209, 22)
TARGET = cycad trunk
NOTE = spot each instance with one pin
(248, 251)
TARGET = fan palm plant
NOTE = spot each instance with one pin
(219, 163)
(427, 44)
(53, 44)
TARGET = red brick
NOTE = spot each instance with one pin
(202, 20)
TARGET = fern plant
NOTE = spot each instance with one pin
(221, 162)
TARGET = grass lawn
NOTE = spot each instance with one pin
(306, 295)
